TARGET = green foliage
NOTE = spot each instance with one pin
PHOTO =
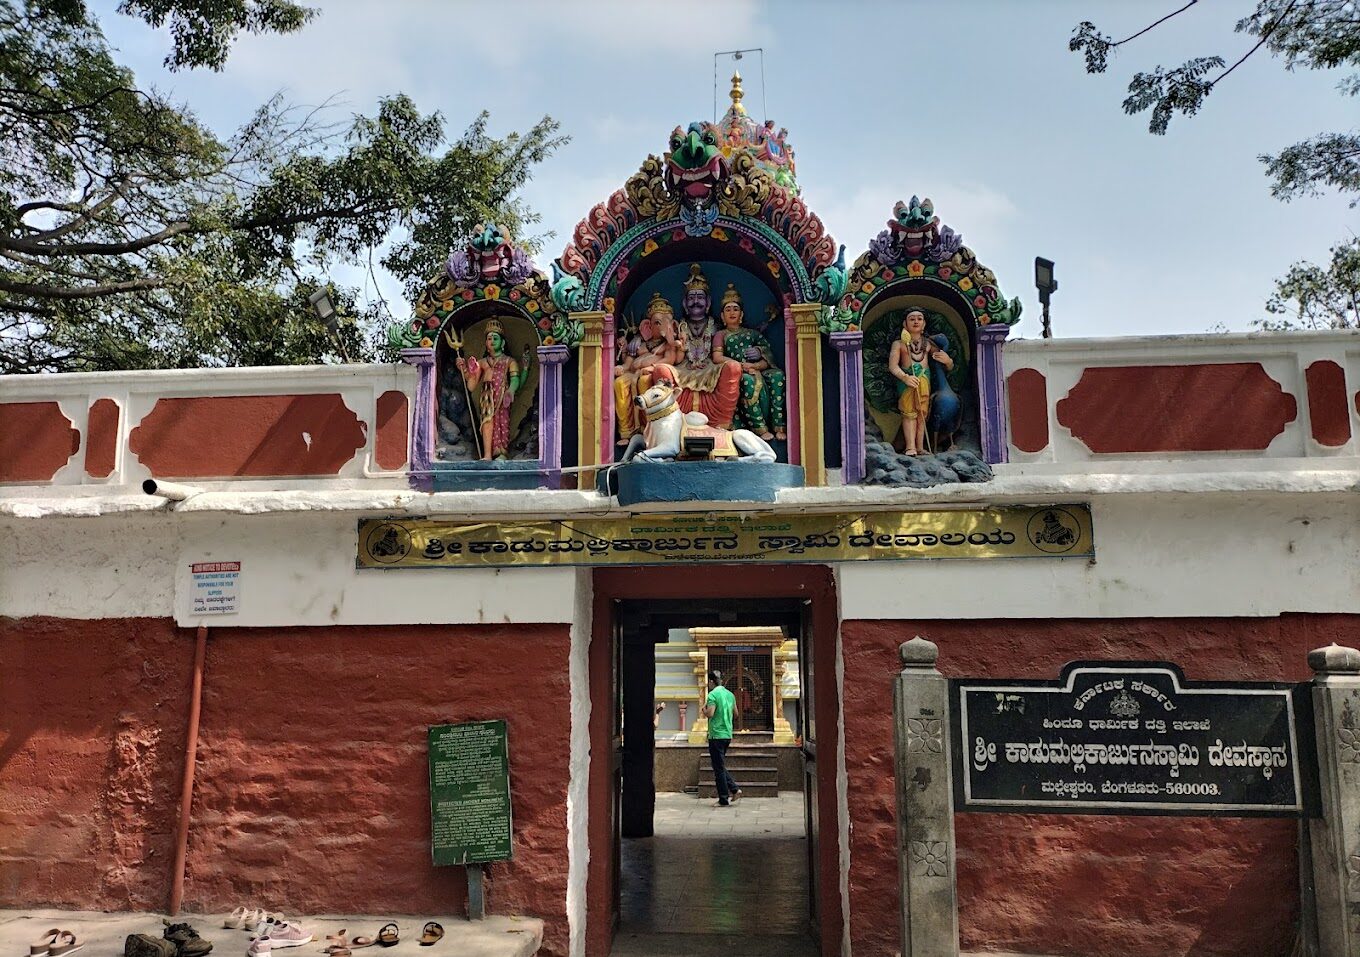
(1312, 34)
(1311, 297)
(1327, 161)
(203, 29)
(1315, 34)
(132, 236)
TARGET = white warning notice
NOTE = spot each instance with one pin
(215, 588)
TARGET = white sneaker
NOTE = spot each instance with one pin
(287, 934)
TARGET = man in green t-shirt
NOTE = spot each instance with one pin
(718, 708)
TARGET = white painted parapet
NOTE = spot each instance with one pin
(1137, 404)
(339, 426)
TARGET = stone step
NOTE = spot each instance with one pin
(742, 775)
(745, 755)
(743, 760)
(709, 790)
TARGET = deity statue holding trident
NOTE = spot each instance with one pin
(497, 378)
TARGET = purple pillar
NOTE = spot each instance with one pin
(991, 391)
(422, 418)
(850, 345)
(550, 362)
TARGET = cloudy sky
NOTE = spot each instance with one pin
(976, 104)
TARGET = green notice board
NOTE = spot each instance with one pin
(469, 792)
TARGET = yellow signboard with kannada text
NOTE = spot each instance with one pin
(1017, 531)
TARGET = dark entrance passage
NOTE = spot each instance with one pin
(673, 880)
(695, 878)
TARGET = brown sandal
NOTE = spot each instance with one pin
(66, 943)
(40, 947)
(361, 941)
(432, 934)
(389, 935)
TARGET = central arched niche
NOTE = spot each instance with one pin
(723, 263)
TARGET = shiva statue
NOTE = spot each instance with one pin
(497, 378)
(761, 407)
(709, 382)
(653, 342)
(909, 362)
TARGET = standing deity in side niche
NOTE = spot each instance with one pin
(761, 407)
(653, 343)
(710, 383)
(909, 362)
(497, 378)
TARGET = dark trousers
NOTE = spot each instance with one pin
(717, 751)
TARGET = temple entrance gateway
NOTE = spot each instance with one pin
(685, 875)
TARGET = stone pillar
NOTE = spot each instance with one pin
(809, 363)
(607, 427)
(928, 896)
(850, 345)
(588, 399)
(550, 362)
(423, 418)
(785, 659)
(698, 733)
(1336, 835)
(991, 391)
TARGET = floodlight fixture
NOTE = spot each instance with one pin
(1047, 285)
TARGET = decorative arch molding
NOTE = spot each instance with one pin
(491, 269)
(745, 205)
(754, 239)
(915, 253)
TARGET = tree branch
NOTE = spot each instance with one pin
(1265, 35)
(1153, 26)
(39, 291)
(95, 249)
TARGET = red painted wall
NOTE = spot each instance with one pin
(312, 783)
(36, 440)
(92, 723)
(1079, 884)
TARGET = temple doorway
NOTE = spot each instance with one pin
(688, 876)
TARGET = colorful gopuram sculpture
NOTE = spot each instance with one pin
(761, 406)
(709, 382)
(653, 342)
(495, 377)
(910, 362)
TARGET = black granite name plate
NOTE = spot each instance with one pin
(1130, 738)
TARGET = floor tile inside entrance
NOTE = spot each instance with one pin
(717, 880)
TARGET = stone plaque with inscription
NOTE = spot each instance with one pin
(470, 793)
(1131, 737)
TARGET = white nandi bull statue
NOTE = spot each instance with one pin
(667, 428)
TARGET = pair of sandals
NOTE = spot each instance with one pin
(55, 943)
(339, 945)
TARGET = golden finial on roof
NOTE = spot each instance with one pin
(737, 93)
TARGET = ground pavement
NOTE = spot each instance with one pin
(717, 881)
(104, 934)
